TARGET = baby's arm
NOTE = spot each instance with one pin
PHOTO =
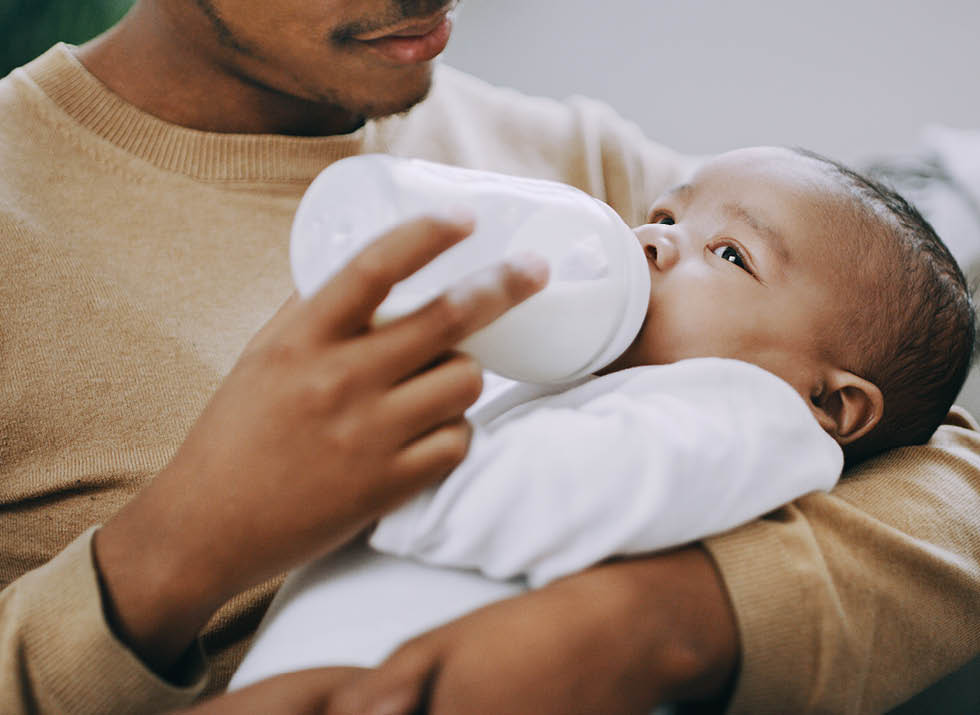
(636, 461)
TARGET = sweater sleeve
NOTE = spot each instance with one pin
(853, 601)
(632, 462)
(60, 655)
(578, 141)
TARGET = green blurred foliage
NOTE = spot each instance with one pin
(29, 27)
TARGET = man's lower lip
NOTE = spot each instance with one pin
(413, 49)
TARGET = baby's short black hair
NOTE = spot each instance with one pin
(919, 339)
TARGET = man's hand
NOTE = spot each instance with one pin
(322, 426)
(303, 692)
(615, 639)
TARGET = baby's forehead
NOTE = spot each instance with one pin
(776, 184)
(762, 177)
(774, 166)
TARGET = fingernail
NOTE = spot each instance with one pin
(393, 704)
(460, 215)
(533, 265)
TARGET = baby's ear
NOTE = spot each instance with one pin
(847, 406)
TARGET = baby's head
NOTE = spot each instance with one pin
(833, 282)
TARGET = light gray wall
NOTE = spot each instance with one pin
(849, 78)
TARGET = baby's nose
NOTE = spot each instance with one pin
(659, 244)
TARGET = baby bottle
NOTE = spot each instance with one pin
(599, 282)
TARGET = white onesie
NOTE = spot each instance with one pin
(635, 461)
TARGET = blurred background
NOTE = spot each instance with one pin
(29, 27)
(848, 78)
(852, 79)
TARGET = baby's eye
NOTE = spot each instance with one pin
(731, 254)
(662, 218)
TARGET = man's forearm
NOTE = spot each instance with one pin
(674, 613)
(151, 604)
(617, 639)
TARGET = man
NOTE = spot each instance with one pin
(148, 181)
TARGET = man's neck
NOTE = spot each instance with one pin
(142, 60)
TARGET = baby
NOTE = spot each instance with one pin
(800, 316)
(854, 300)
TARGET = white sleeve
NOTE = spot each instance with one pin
(632, 462)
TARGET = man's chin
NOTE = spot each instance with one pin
(374, 100)
(398, 100)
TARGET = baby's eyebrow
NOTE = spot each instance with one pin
(680, 192)
(774, 238)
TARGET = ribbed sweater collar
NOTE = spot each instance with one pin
(201, 155)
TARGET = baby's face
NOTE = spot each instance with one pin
(739, 265)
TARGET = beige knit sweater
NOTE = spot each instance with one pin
(139, 257)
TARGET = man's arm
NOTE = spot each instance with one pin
(854, 601)
(616, 639)
(262, 481)
(619, 638)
